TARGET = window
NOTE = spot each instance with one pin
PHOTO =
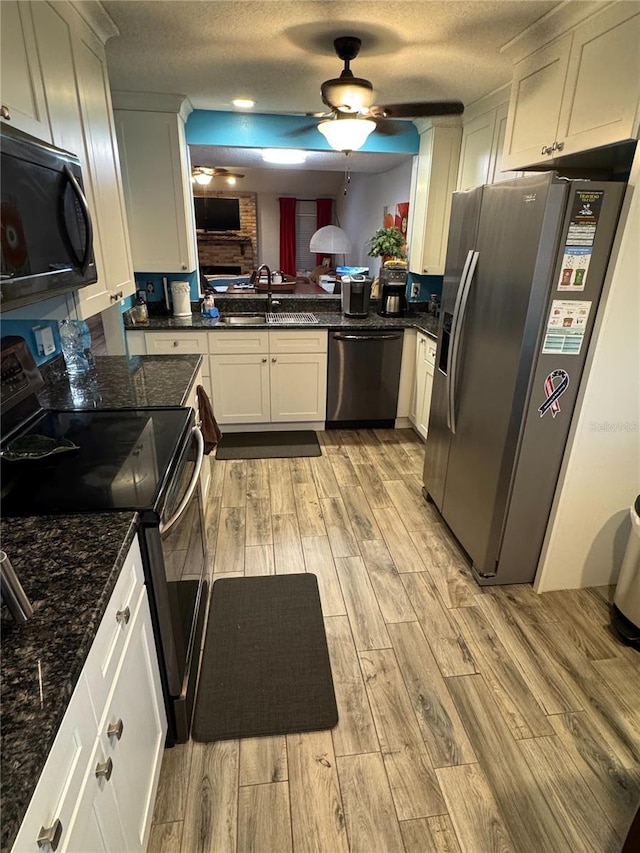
(306, 219)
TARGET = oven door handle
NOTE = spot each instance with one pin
(167, 525)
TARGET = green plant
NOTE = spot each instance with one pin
(387, 242)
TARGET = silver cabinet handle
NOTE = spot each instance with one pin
(123, 616)
(50, 835)
(274, 360)
(264, 360)
(104, 770)
(4, 113)
(114, 297)
(115, 729)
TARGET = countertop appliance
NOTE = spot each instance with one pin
(526, 260)
(355, 295)
(47, 234)
(143, 460)
(363, 378)
(394, 291)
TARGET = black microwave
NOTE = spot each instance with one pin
(46, 232)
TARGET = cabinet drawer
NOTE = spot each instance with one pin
(171, 343)
(430, 352)
(106, 651)
(61, 780)
(239, 342)
(297, 341)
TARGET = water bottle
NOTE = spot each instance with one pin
(75, 338)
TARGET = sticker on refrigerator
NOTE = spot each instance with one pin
(555, 385)
(585, 212)
(566, 327)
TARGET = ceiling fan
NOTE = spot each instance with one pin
(204, 174)
(350, 101)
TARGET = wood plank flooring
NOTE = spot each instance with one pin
(472, 719)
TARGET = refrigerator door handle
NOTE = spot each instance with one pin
(458, 320)
(454, 326)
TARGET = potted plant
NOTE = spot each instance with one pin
(389, 244)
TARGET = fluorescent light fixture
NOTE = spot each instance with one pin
(243, 103)
(330, 239)
(284, 156)
(203, 179)
(346, 134)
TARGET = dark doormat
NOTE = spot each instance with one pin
(268, 445)
(265, 666)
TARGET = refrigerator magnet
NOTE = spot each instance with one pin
(555, 385)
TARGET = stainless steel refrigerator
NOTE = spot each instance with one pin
(526, 261)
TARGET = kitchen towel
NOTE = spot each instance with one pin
(208, 424)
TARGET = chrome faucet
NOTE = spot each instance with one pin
(270, 301)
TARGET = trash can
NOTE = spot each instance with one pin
(626, 601)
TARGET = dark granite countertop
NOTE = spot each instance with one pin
(118, 381)
(68, 566)
(327, 311)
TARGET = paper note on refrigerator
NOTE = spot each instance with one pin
(566, 327)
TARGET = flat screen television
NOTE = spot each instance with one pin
(217, 214)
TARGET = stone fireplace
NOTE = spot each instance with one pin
(237, 250)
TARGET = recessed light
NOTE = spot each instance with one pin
(243, 103)
(286, 156)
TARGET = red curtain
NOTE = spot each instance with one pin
(324, 208)
(288, 235)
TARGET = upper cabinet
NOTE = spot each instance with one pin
(55, 87)
(157, 181)
(483, 132)
(433, 182)
(577, 92)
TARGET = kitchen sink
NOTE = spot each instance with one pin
(243, 319)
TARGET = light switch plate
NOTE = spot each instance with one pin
(415, 290)
(44, 340)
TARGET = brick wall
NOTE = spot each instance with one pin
(232, 248)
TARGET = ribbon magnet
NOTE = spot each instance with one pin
(555, 385)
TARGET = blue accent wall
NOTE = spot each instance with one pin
(154, 279)
(258, 130)
(429, 284)
(25, 329)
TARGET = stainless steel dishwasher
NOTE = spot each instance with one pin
(363, 378)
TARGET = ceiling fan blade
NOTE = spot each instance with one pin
(390, 127)
(421, 109)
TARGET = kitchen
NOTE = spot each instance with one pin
(572, 559)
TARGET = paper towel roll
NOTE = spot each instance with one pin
(180, 295)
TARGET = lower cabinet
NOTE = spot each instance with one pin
(425, 365)
(241, 388)
(298, 387)
(97, 789)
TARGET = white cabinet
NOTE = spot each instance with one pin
(98, 786)
(56, 76)
(577, 92)
(298, 387)
(23, 101)
(425, 365)
(407, 377)
(241, 388)
(483, 132)
(156, 175)
(173, 343)
(433, 182)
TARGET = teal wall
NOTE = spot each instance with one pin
(25, 329)
(257, 130)
(428, 284)
(151, 283)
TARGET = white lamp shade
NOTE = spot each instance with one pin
(346, 134)
(203, 179)
(330, 239)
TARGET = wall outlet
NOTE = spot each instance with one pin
(150, 287)
(415, 289)
(44, 340)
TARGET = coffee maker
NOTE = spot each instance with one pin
(355, 294)
(394, 291)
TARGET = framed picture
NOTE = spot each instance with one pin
(402, 217)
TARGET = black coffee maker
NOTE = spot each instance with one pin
(393, 281)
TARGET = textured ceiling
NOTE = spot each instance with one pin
(278, 53)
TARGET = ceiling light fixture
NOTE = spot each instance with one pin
(203, 179)
(346, 134)
(243, 103)
(284, 156)
(231, 180)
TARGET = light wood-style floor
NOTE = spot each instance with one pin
(471, 719)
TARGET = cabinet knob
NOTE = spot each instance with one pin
(104, 770)
(123, 616)
(184, 266)
(264, 360)
(115, 729)
(50, 835)
(274, 360)
(176, 343)
(6, 115)
(114, 297)
(424, 270)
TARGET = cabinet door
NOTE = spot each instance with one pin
(476, 151)
(420, 382)
(603, 81)
(115, 279)
(534, 109)
(298, 387)
(423, 418)
(136, 704)
(155, 174)
(240, 386)
(22, 85)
